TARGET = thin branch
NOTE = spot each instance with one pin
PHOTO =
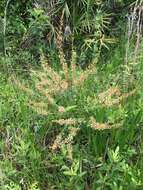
(4, 26)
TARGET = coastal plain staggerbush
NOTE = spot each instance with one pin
(64, 123)
(54, 152)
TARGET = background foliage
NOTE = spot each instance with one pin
(77, 126)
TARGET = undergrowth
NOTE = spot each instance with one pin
(63, 127)
(86, 137)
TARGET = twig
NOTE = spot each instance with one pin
(4, 26)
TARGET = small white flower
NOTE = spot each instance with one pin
(67, 31)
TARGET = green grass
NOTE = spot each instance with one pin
(105, 159)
